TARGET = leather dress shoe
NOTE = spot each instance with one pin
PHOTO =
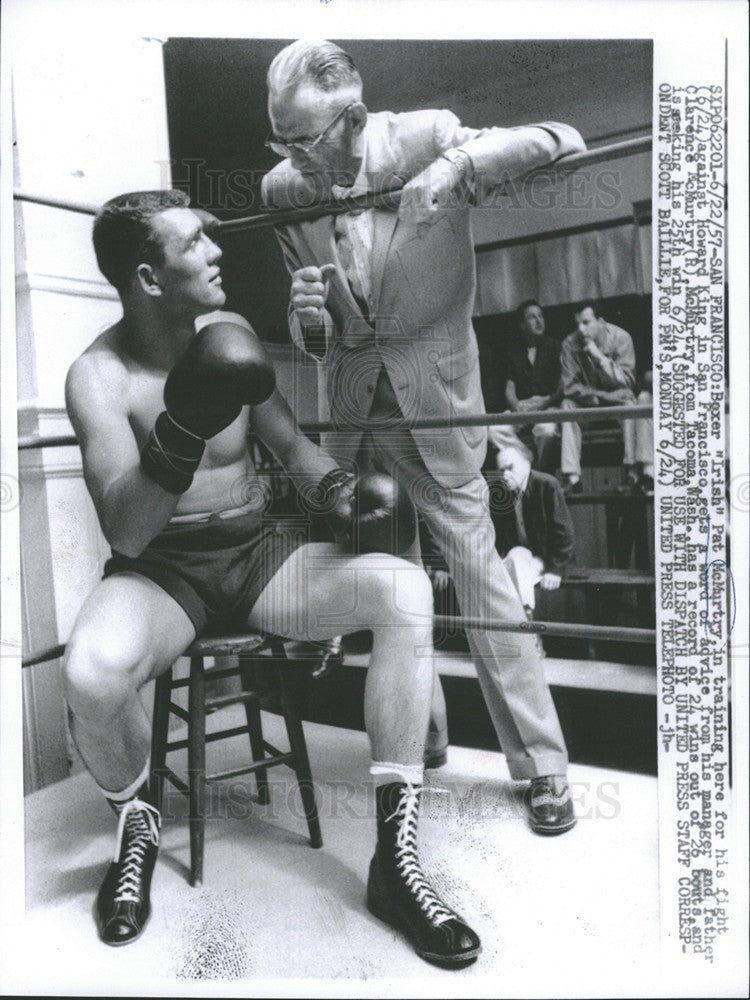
(549, 805)
(646, 486)
(628, 488)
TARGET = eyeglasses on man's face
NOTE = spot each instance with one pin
(304, 144)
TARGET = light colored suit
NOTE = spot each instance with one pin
(415, 355)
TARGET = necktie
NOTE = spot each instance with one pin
(520, 523)
(355, 253)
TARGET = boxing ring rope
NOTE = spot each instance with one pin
(384, 199)
(390, 200)
(582, 415)
(579, 631)
(594, 633)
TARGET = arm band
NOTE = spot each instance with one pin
(330, 499)
(171, 455)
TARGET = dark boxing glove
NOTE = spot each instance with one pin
(330, 501)
(384, 518)
(224, 367)
(369, 513)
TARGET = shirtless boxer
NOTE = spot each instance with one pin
(162, 414)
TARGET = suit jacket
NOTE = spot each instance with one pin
(612, 380)
(540, 379)
(423, 282)
(547, 521)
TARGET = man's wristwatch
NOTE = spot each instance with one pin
(461, 160)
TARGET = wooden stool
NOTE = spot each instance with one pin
(249, 649)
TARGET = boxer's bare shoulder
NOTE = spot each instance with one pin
(99, 377)
(108, 382)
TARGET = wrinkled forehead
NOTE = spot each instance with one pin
(304, 110)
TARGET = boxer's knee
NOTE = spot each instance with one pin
(399, 592)
(101, 673)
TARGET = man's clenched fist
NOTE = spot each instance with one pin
(309, 293)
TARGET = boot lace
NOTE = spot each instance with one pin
(407, 860)
(138, 827)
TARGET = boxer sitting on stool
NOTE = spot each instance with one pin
(161, 411)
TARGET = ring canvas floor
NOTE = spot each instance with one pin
(574, 915)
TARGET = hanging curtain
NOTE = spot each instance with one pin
(560, 269)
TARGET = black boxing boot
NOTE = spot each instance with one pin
(398, 892)
(123, 905)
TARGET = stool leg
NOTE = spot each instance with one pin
(301, 760)
(197, 766)
(255, 728)
(159, 736)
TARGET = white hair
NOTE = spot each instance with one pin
(322, 64)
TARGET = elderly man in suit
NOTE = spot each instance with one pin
(385, 299)
(533, 527)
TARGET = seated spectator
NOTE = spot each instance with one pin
(598, 369)
(533, 528)
(534, 380)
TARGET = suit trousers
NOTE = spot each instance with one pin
(509, 666)
(637, 436)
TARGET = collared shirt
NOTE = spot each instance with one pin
(354, 237)
(612, 377)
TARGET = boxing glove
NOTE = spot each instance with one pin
(330, 501)
(368, 513)
(384, 519)
(224, 367)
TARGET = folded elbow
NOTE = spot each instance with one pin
(125, 546)
(124, 542)
(129, 550)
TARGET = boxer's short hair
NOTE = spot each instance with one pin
(123, 236)
(323, 64)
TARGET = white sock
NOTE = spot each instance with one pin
(130, 791)
(387, 771)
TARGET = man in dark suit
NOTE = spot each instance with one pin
(533, 382)
(534, 531)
